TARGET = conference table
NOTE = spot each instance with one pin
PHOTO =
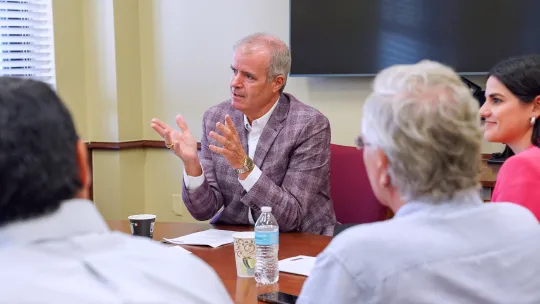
(221, 259)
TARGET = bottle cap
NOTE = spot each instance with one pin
(266, 209)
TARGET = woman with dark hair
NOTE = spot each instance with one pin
(512, 117)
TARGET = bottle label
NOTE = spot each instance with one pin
(266, 238)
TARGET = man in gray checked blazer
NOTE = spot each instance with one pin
(260, 148)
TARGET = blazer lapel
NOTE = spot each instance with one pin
(271, 130)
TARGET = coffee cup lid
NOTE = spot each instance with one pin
(142, 217)
(244, 235)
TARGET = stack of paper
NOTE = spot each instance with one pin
(301, 265)
(211, 237)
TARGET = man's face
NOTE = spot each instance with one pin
(251, 92)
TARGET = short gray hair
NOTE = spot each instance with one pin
(426, 121)
(280, 55)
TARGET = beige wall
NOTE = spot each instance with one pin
(69, 51)
(122, 62)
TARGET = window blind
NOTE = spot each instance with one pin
(26, 39)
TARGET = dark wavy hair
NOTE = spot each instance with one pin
(521, 75)
(38, 158)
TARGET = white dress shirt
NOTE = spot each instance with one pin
(70, 256)
(460, 251)
(254, 133)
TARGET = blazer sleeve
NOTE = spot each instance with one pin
(205, 201)
(308, 172)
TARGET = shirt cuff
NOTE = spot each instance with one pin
(193, 182)
(251, 179)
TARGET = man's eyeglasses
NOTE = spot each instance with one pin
(360, 143)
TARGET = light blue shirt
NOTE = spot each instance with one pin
(70, 256)
(460, 251)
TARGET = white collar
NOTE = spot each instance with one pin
(462, 199)
(261, 121)
(74, 217)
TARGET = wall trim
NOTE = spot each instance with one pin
(159, 144)
(125, 145)
(486, 156)
(116, 146)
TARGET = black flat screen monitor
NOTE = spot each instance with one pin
(361, 37)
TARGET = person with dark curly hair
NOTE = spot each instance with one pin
(55, 246)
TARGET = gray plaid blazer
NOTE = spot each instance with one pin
(293, 154)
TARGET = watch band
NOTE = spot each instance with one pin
(248, 166)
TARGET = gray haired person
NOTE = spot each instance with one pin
(421, 140)
(261, 147)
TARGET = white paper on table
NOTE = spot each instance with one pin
(180, 249)
(211, 237)
(301, 265)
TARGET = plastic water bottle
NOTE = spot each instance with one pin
(267, 246)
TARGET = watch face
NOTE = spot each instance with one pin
(248, 166)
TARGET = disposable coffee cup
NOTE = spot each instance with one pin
(142, 224)
(244, 253)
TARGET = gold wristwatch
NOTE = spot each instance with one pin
(248, 166)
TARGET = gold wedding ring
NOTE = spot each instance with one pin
(169, 146)
(228, 142)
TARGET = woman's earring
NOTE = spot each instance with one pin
(384, 180)
(533, 120)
